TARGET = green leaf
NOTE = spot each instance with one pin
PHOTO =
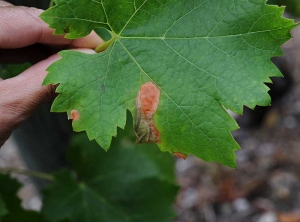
(12, 70)
(76, 18)
(126, 184)
(292, 6)
(103, 33)
(3, 209)
(204, 56)
(8, 189)
(15, 213)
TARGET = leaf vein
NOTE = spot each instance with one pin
(203, 37)
(107, 21)
(187, 13)
(78, 89)
(193, 64)
(104, 80)
(132, 16)
(80, 19)
(229, 11)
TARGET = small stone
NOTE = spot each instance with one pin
(241, 205)
(226, 208)
(290, 122)
(268, 217)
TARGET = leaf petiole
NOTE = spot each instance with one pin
(106, 44)
(29, 173)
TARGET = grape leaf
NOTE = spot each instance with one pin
(292, 6)
(3, 209)
(12, 70)
(204, 56)
(15, 213)
(128, 183)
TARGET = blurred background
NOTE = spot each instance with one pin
(265, 187)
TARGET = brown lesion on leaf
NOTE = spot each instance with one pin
(180, 155)
(66, 30)
(74, 115)
(66, 27)
(146, 105)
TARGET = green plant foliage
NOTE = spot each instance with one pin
(103, 33)
(129, 183)
(12, 70)
(204, 56)
(292, 6)
(3, 209)
(14, 212)
(126, 184)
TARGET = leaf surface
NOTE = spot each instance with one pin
(204, 56)
(3, 209)
(126, 184)
(11, 70)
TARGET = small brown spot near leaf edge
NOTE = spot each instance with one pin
(180, 155)
(74, 115)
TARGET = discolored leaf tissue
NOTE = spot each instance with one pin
(205, 57)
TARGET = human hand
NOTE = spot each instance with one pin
(20, 28)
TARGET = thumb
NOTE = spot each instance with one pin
(26, 90)
(21, 95)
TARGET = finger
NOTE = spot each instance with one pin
(21, 95)
(21, 26)
(91, 41)
(5, 4)
(28, 85)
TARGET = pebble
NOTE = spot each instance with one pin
(241, 205)
(268, 217)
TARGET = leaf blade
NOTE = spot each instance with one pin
(204, 56)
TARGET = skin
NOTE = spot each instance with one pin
(25, 37)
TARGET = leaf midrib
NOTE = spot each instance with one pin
(200, 37)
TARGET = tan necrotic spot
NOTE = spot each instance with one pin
(146, 105)
(74, 115)
(148, 98)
